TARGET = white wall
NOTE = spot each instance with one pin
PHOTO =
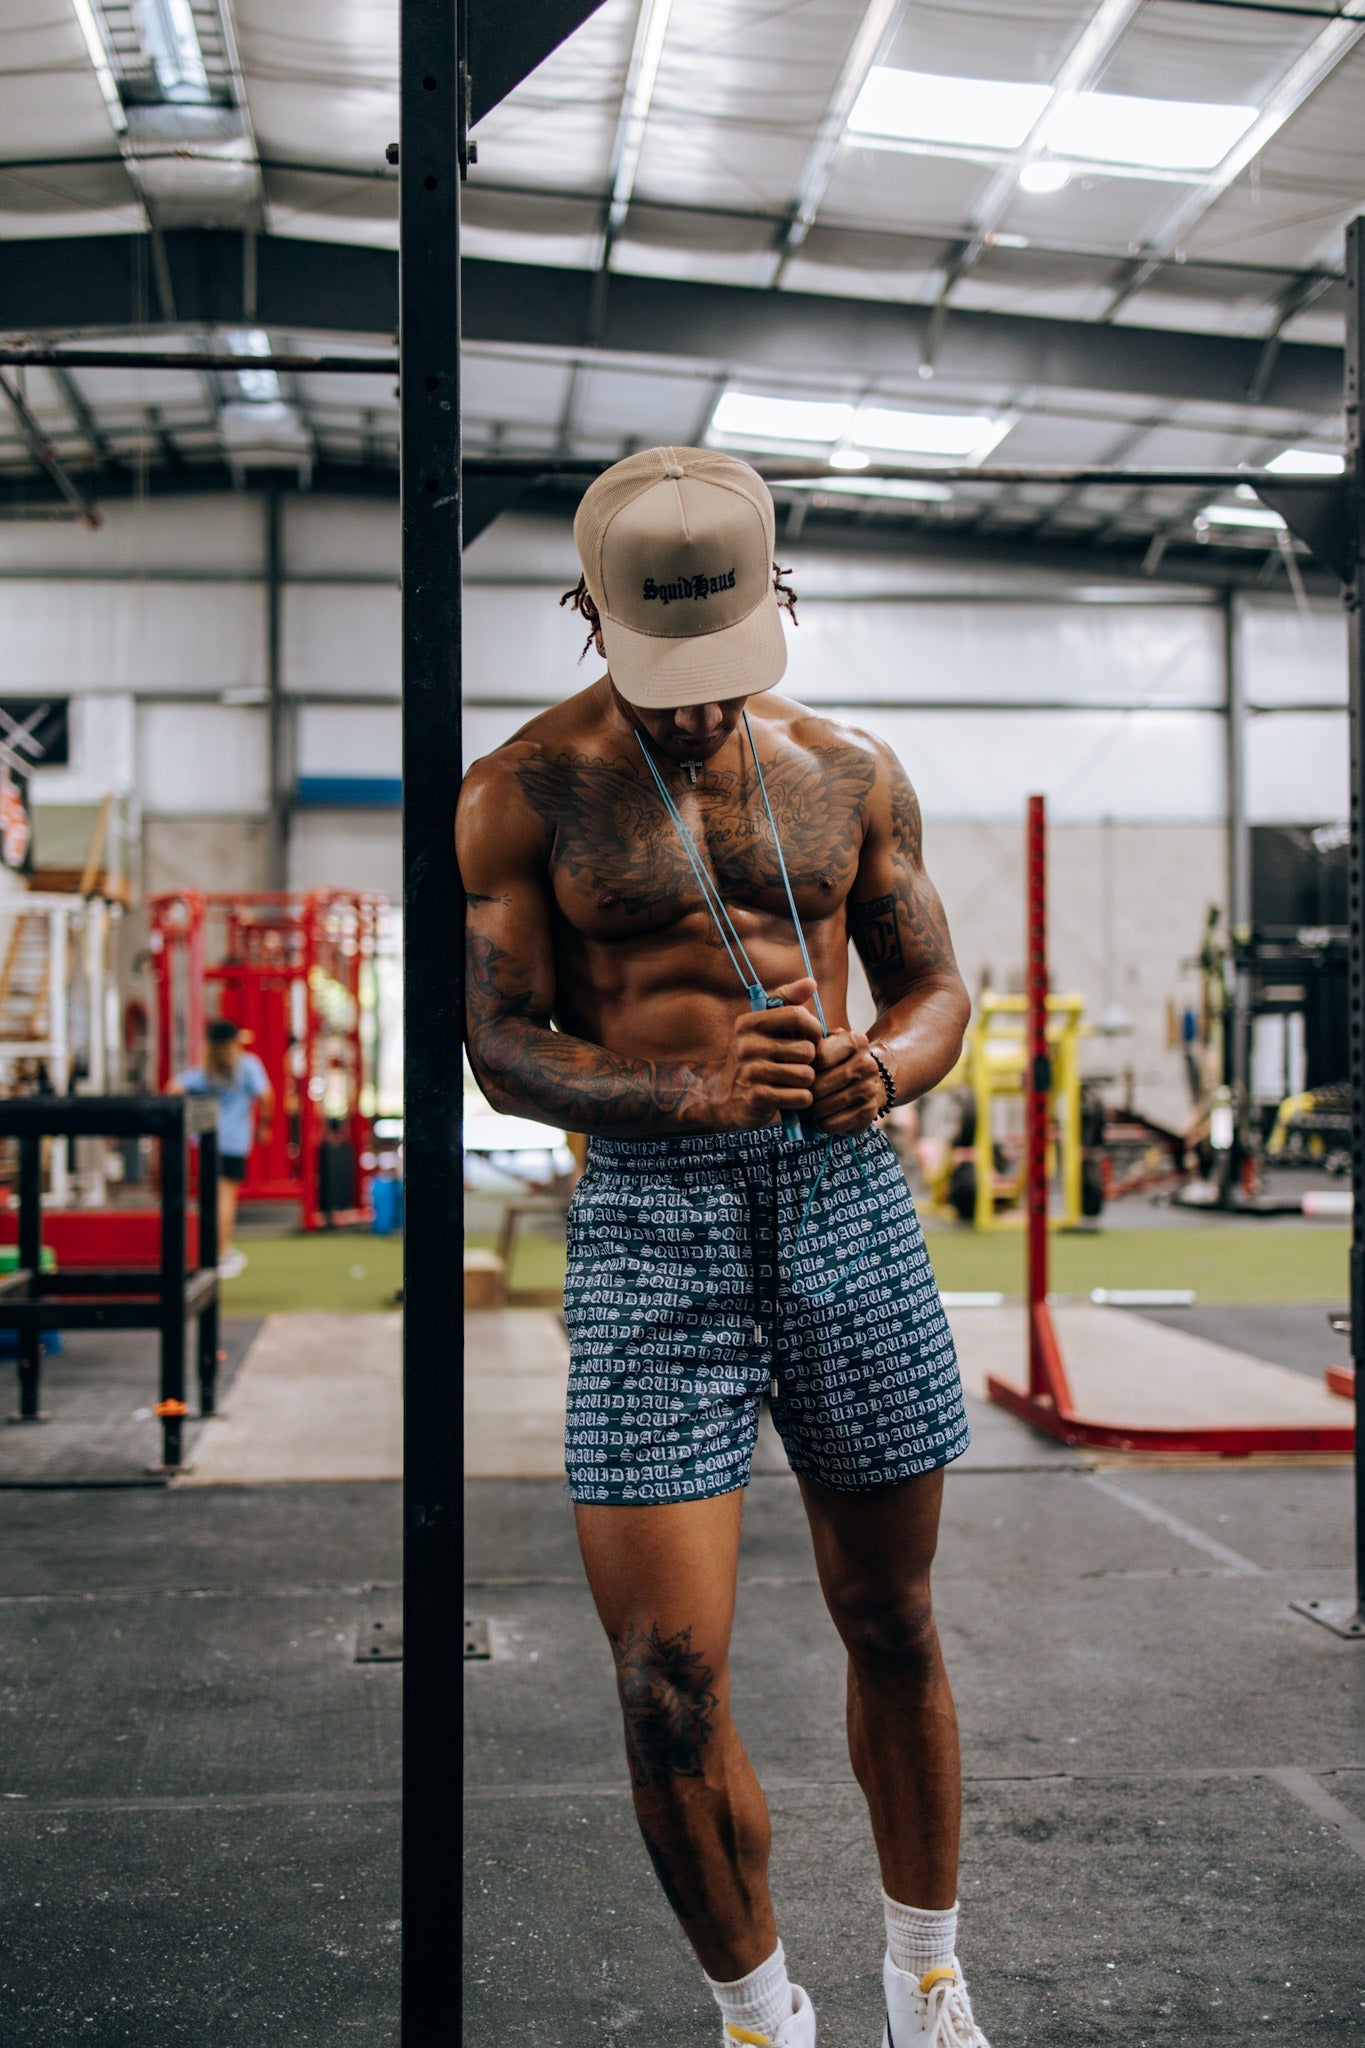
(989, 683)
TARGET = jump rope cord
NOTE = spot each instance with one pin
(753, 987)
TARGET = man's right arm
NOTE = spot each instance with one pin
(527, 1068)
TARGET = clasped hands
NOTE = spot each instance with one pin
(780, 1061)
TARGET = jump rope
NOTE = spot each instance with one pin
(759, 999)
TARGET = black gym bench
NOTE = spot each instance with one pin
(162, 1297)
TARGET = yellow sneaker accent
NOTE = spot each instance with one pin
(932, 1977)
(743, 2034)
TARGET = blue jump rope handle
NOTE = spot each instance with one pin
(791, 1122)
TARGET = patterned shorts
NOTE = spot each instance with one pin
(693, 1290)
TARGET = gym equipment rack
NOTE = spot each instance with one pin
(1047, 1402)
(296, 971)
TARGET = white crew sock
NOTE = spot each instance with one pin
(918, 1940)
(761, 2002)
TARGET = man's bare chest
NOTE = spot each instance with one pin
(618, 864)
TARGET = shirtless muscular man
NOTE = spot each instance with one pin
(664, 874)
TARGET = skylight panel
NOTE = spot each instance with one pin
(912, 489)
(1158, 135)
(1241, 515)
(157, 53)
(260, 387)
(751, 416)
(927, 436)
(921, 106)
(172, 42)
(1307, 462)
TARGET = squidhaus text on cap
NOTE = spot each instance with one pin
(677, 553)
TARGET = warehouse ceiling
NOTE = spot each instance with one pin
(855, 232)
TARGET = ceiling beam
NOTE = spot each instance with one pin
(1209, 568)
(870, 44)
(329, 287)
(807, 338)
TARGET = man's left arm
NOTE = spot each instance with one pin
(896, 921)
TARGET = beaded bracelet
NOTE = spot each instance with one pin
(887, 1083)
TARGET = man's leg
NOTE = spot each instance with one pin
(873, 1552)
(663, 1579)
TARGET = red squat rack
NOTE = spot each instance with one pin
(297, 972)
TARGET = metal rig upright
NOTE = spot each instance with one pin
(1355, 633)
(431, 153)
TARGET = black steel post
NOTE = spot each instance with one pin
(277, 853)
(209, 1254)
(1347, 1618)
(171, 1407)
(30, 1261)
(1355, 624)
(1237, 1016)
(433, 93)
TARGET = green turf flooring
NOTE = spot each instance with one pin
(1221, 1262)
(343, 1271)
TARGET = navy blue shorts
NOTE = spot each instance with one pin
(693, 1290)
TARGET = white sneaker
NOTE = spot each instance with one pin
(933, 2010)
(797, 2032)
(231, 1265)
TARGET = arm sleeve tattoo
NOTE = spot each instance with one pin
(522, 1063)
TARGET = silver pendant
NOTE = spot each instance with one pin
(692, 772)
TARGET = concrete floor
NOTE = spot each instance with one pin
(1165, 1812)
(1165, 1828)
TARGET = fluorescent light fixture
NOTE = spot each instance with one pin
(1047, 175)
(99, 57)
(849, 458)
(1158, 135)
(750, 416)
(1307, 462)
(928, 436)
(262, 387)
(1241, 515)
(869, 487)
(921, 106)
(1001, 241)
(172, 42)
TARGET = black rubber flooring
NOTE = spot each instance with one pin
(199, 1785)
(1165, 1769)
(1296, 1334)
(97, 1397)
(1165, 1799)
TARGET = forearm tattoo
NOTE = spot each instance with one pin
(519, 1060)
(668, 1704)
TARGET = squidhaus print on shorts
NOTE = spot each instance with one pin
(681, 1318)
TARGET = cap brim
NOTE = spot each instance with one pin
(662, 674)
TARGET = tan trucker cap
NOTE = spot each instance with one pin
(677, 552)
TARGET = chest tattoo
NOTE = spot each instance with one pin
(614, 842)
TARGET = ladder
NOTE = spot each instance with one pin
(26, 980)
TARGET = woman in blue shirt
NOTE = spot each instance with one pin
(239, 1081)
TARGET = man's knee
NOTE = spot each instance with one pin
(671, 1702)
(888, 1630)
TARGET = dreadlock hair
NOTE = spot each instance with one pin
(579, 600)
